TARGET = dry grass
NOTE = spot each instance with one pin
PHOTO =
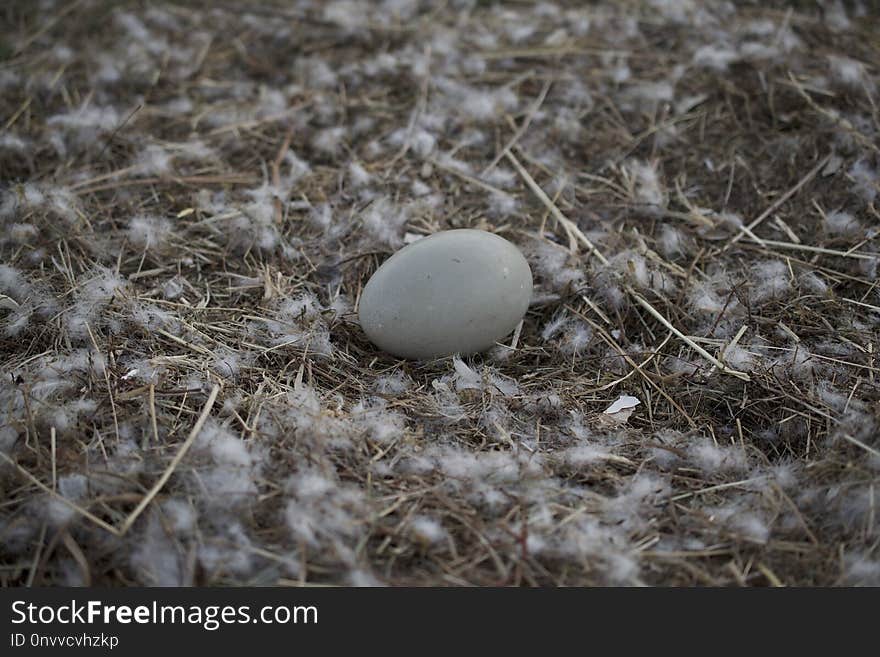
(758, 469)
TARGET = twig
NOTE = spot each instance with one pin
(609, 339)
(83, 512)
(876, 309)
(184, 448)
(78, 556)
(845, 124)
(54, 463)
(276, 173)
(743, 230)
(653, 354)
(253, 123)
(859, 443)
(117, 129)
(47, 25)
(189, 345)
(732, 343)
(570, 227)
(231, 179)
(153, 422)
(474, 181)
(575, 232)
(107, 381)
(817, 249)
(521, 130)
(639, 299)
(596, 309)
(770, 575)
(18, 112)
(38, 553)
(712, 489)
(421, 102)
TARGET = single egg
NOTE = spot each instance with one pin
(454, 292)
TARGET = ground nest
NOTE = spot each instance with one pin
(193, 195)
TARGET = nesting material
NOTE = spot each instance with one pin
(179, 217)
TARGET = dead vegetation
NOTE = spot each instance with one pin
(194, 194)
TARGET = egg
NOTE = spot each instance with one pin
(454, 292)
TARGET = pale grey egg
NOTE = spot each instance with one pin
(454, 292)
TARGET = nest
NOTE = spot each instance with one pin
(194, 195)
